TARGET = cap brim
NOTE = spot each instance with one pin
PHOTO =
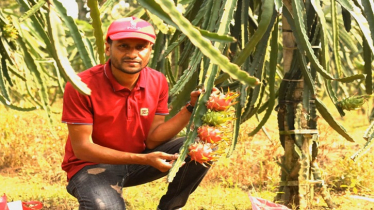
(132, 35)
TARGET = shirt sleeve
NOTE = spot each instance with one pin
(162, 108)
(77, 108)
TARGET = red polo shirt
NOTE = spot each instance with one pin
(120, 118)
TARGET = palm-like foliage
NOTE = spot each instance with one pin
(231, 44)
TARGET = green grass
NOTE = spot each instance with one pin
(30, 167)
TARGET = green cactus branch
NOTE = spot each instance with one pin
(154, 7)
(205, 46)
(297, 25)
(98, 32)
(335, 37)
(361, 21)
(7, 103)
(196, 120)
(83, 49)
(267, 16)
(271, 80)
(32, 10)
(322, 109)
(60, 54)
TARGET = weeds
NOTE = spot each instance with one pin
(30, 167)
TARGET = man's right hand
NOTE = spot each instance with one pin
(161, 160)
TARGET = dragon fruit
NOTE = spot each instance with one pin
(214, 133)
(221, 102)
(216, 118)
(210, 134)
(201, 153)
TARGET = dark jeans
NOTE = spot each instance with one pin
(100, 186)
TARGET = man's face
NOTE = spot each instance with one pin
(129, 56)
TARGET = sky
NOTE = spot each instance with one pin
(71, 7)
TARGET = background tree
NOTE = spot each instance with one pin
(325, 50)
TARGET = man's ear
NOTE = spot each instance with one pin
(107, 49)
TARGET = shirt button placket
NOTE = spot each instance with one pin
(130, 104)
(127, 105)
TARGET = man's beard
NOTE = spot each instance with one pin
(119, 67)
(127, 72)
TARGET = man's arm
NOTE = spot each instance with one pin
(85, 149)
(162, 131)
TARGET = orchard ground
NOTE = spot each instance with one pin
(31, 155)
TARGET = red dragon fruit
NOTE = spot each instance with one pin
(209, 134)
(217, 122)
(201, 153)
(221, 102)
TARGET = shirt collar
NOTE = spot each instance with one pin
(141, 83)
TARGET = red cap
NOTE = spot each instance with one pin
(131, 27)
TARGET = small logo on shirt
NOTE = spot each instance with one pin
(144, 111)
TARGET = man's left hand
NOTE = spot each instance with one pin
(194, 96)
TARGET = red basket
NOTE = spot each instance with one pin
(31, 205)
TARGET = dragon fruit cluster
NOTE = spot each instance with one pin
(215, 129)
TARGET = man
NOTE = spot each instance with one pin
(118, 136)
